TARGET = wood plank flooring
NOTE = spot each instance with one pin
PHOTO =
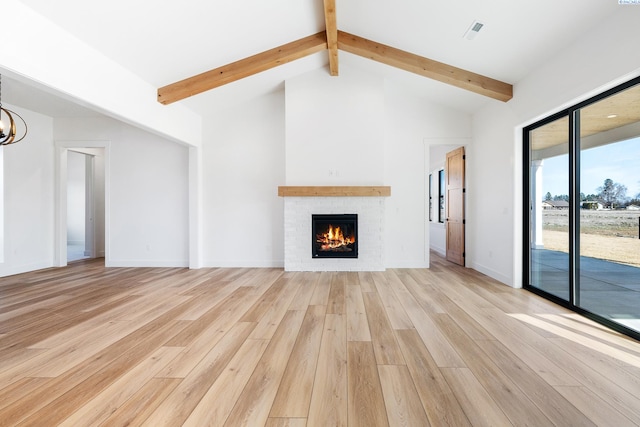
(446, 346)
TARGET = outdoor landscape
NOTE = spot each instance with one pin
(611, 235)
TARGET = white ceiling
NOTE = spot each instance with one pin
(163, 42)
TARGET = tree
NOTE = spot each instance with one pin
(547, 196)
(635, 201)
(612, 193)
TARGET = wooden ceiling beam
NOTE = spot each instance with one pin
(243, 68)
(332, 35)
(333, 39)
(425, 67)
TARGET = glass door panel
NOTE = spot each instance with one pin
(549, 208)
(609, 240)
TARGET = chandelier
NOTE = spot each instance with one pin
(8, 124)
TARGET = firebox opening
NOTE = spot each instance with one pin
(334, 236)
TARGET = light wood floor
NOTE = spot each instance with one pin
(89, 346)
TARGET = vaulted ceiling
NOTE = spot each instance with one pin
(166, 42)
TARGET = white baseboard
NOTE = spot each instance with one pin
(492, 273)
(407, 264)
(147, 263)
(243, 264)
(440, 251)
(25, 268)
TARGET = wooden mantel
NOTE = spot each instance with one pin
(334, 191)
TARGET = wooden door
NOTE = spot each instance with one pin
(455, 192)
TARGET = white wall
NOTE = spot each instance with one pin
(600, 59)
(60, 62)
(413, 126)
(147, 218)
(243, 165)
(352, 130)
(28, 198)
(491, 185)
(334, 129)
(323, 130)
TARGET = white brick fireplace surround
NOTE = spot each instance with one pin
(369, 204)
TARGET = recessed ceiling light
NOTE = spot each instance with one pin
(612, 116)
(473, 30)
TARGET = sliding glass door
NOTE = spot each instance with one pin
(583, 207)
(609, 243)
(549, 199)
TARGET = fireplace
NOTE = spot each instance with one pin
(298, 230)
(334, 236)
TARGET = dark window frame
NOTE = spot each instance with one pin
(573, 113)
(430, 197)
(441, 192)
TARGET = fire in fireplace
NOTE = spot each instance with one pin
(334, 236)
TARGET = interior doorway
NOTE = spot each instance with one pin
(438, 199)
(82, 177)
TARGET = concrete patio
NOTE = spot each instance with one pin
(609, 289)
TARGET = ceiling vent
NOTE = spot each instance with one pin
(473, 30)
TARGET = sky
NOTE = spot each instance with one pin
(619, 162)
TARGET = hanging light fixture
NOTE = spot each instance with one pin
(8, 124)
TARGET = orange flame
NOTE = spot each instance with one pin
(334, 239)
